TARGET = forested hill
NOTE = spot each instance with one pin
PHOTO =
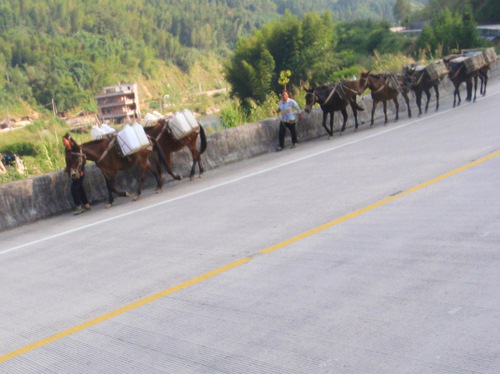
(66, 50)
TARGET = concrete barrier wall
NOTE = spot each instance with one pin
(32, 199)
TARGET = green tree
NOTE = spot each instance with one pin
(402, 10)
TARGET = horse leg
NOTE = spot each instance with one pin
(475, 87)
(418, 94)
(196, 158)
(332, 115)
(344, 114)
(355, 114)
(407, 101)
(468, 86)
(156, 170)
(373, 111)
(428, 94)
(436, 90)
(484, 77)
(110, 194)
(158, 177)
(456, 94)
(169, 167)
(111, 186)
(396, 103)
(325, 113)
(385, 111)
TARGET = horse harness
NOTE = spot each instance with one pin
(342, 91)
(81, 159)
(108, 148)
(387, 80)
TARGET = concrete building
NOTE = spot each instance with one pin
(119, 103)
(490, 32)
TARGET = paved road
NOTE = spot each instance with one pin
(374, 252)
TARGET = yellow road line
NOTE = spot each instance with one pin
(377, 204)
(121, 310)
(223, 269)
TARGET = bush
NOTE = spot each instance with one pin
(21, 149)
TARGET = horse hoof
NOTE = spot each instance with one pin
(191, 178)
(127, 194)
(137, 197)
(109, 206)
(158, 190)
(201, 175)
(330, 137)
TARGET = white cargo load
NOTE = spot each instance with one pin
(180, 126)
(150, 119)
(191, 119)
(141, 134)
(98, 132)
(128, 141)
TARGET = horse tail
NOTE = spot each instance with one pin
(203, 138)
(356, 106)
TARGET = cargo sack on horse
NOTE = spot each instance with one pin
(436, 70)
(335, 97)
(107, 156)
(172, 135)
(386, 87)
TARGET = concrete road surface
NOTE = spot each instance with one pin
(374, 252)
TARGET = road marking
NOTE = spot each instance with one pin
(235, 180)
(117, 312)
(223, 269)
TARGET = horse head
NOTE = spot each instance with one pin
(75, 158)
(364, 80)
(311, 99)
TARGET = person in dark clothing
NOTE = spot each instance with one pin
(77, 190)
(288, 121)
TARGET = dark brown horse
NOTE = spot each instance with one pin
(108, 159)
(335, 97)
(386, 87)
(165, 144)
(458, 74)
(420, 81)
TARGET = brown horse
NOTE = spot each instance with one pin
(108, 159)
(420, 81)
(165, 144)
(335, 97)
(386, 87)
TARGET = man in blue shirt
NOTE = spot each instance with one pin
(286, 107)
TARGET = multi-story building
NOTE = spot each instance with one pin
(119, 103)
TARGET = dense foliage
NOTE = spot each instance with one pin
(314, 48)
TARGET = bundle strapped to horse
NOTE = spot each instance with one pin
(474, 62)
(436, 70)
(490, 55)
